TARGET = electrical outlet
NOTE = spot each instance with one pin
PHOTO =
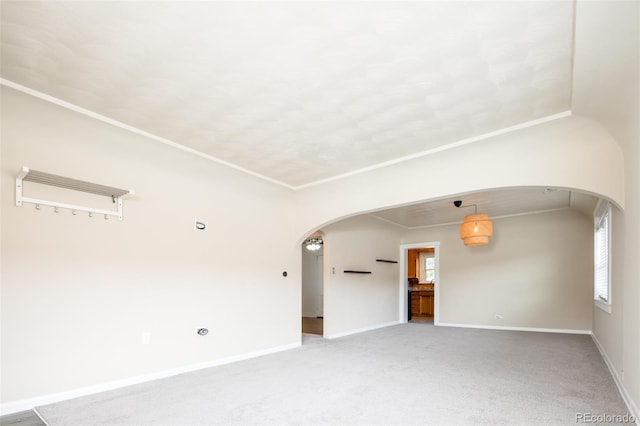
(146, 338)
(499, 317)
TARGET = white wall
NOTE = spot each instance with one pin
(77, 293)
(536, 272)
(356, 302)
(606, 88)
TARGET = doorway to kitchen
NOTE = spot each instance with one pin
(420, 283)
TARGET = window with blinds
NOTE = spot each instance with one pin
(427, 269)
(602, 258)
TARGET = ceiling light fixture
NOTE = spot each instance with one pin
(476, 228)
(313, 243)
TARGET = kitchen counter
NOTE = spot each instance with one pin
(422, 300)
(422, 287)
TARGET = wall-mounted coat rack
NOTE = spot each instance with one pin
(28, 175)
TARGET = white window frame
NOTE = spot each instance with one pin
(602, 217)
(422, 266)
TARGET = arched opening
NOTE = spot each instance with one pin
(461, 274)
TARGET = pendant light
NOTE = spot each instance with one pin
(476, 228)
(313, 244)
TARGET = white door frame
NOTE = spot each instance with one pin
(320, 284)
(403, 287)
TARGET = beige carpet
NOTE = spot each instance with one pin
(411, 374)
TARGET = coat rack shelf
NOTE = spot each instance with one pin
(29, 175)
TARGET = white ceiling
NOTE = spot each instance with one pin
(496, 203)
(298, 92)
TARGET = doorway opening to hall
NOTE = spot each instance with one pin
(313, 285)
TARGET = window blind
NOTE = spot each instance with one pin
(426, 271)
(602, 255)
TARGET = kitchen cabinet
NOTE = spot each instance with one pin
(412, 261)
(422, 303)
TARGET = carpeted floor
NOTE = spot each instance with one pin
(410, 374)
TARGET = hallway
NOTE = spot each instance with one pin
(312, 325)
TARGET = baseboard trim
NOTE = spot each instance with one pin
(30, 403)
(533, 329)
(360, 330)
(35, 410)
(631, 406)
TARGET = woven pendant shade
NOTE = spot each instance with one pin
(476, 230)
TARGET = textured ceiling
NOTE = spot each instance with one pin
(298, 92)
(497, 203)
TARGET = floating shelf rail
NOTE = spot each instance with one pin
(356, 272)
(28, 175)
(386, 261)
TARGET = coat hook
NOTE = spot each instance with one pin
(73, 212)
(56, 209)
(106, 217)
(90, 214)
(37, 206)
(113, 199)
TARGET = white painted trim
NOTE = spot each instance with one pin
(373, 215)
(494, 218)
(631, 406)
(441, 148)
(30, 403)
(603, 208)
(360, 330)
(602, 305)
(503, 328)
(437, 225)
(40, 416)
